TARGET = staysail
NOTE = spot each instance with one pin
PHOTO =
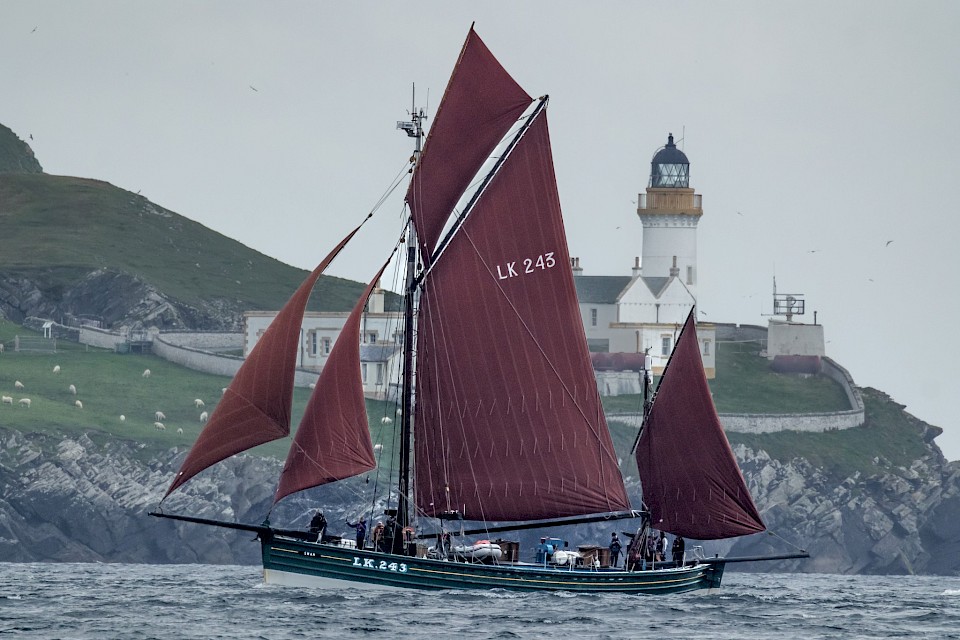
(691, 482)
(256, 407)
(333, 439)
(509, 424)
(480, 104)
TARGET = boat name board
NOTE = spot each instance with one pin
(383, 565)
(543, 262)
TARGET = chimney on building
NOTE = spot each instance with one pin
(636, 267)
(674, 270)
(577, 269)
(375, 303)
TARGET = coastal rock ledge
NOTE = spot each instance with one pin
(72, 499)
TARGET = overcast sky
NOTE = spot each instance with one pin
(817, 133)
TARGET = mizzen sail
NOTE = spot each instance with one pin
(333, 439)
(691, 482)
(508, 423)
(256, 406)
(480, 104)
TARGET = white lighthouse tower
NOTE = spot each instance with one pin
(669, 212)
(643, 313)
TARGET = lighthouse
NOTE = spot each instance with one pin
(643, 312)
(669, 212)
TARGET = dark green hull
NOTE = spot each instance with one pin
(297, 563)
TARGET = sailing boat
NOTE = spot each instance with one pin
(500, 417)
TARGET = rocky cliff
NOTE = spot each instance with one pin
(74, 499)
(115, 300)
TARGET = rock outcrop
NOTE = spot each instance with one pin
(894, 520)
(114, 299)
(71, 499)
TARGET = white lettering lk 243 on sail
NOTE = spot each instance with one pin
(528, 265)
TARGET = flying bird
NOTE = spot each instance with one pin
(739, 214)
(31, 136)
(253, 87)
(34, 29)
(888, 243)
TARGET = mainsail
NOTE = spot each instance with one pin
(256, 407)
(691, 482)
(333, 439)
(479, 106)
(509, 424)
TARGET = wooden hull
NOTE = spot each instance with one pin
(297, 563)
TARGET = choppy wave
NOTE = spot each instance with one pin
(196, 602)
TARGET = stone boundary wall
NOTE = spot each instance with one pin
(773, 422)
(205, 340)
(100, 338)
(167, 347)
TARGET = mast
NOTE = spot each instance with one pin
(414, 129)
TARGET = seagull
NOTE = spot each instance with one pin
(31, 136)
(888, 243)
(254, 88)
(739, 214)
(34, 29)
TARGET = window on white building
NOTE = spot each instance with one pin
(379, 373)
(363, 372)
(593, 317)
(370, 337)
(706, 347)
(689, 274)
(326, 346)
(313, 343)
(665, 342)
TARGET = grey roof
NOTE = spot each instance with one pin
(656, 284)
(669, 154)
(600, 289)
(377, 352)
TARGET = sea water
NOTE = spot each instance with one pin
(106, 601)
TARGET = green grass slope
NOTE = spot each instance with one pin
(110, 385)
(57, 229)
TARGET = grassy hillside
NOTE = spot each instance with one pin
(57, 229)
(110, 385)
(746, 384)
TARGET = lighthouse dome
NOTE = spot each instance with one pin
(670, 167)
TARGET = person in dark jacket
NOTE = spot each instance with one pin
(318, 525)
(615, 547)
(361, 527)
(677, 549)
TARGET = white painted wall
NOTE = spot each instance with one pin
(794, 339)
(666, 236)
(638, 305)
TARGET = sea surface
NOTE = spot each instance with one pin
(106, 601)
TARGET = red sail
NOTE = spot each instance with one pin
(509, 424)
(333, 439)
(256, 406)
(479, 106)
(691, 482)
